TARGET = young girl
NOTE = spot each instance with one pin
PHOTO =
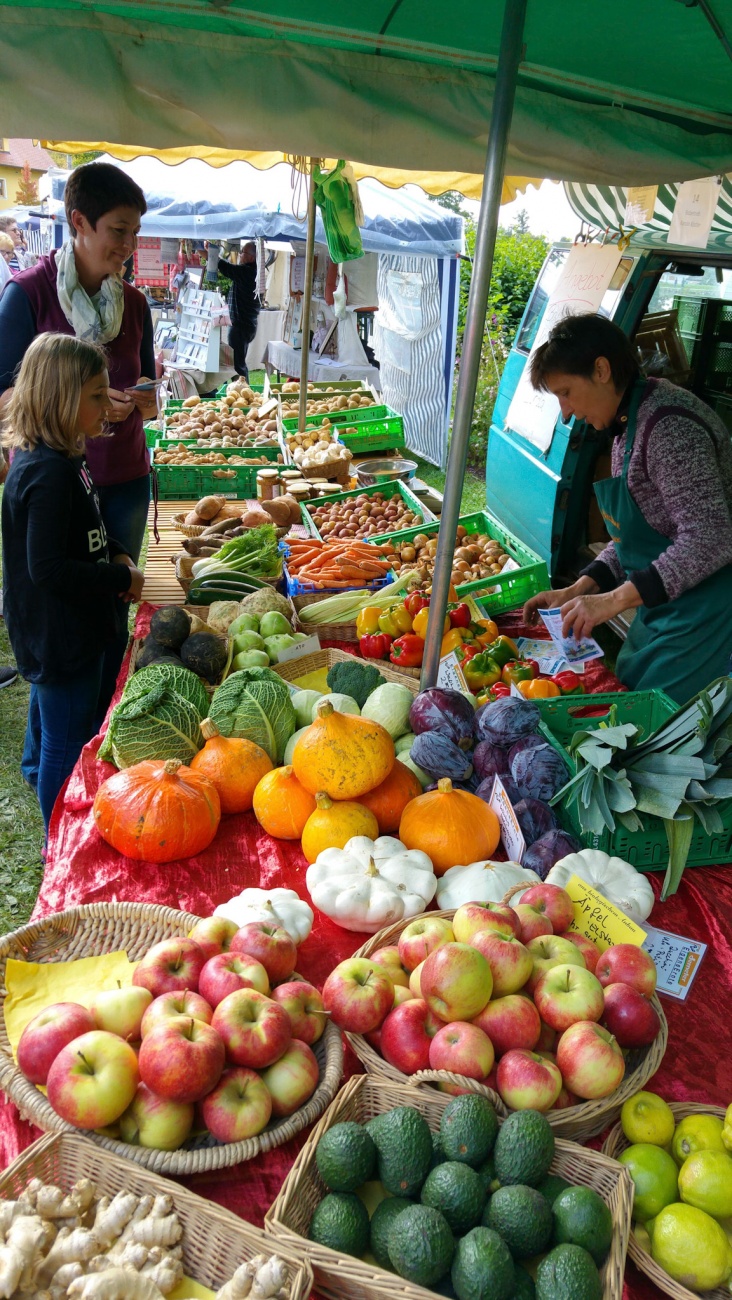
(66, 584)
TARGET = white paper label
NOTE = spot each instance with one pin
(696, 203)
(299, 649)
(515, 691)
(581, 287)
(677, 961)
(450, 675)
(513, 841)
(549, 659)
(575, 652)
(640, 204)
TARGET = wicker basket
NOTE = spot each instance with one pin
(341, 1277)
(577, 1123)
(134, 927)
(293, 669)
(614, 1144)
(215, 1242)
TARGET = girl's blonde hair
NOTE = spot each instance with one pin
(6, 243)
(44, 407)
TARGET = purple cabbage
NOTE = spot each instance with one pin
(535, 819)
(485, 789)
(491, 760)
(526, 742)
(436, 754)
(539, 772)
(549, 849)
(506, 720)
(446, 712)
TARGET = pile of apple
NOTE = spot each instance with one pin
(506, 995)
(214, 1034)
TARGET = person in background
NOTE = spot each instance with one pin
(78, 290)
(667, 509)
(20, 258)
(243, 304)
(66, 581)
(7, 250)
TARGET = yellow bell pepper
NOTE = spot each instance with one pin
(396, 621)
(420, 622)
(536, 689)
(727, 1130)
(367, 622)
(451, 640)
(488, 633)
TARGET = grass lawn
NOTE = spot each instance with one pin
(21, 824)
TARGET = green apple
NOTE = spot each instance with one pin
(93, 1079)
(120, 1010)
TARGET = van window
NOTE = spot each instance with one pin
(686, 334)
(545, 285)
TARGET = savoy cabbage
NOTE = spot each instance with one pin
(158, 717)
(255, 704)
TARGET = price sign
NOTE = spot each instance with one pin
(513, 840)
(677, 961)
(598, 919)
(299, 649)
(450, 675)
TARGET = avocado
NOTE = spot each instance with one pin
(404, 1143)
(482, 1268)
(468, 1129)
(380, 1226)
(582, 1218)
(341, 1221)
(524, 1289)
(568, 1273)
(346, 1157)
(421, 1245)
(522, 1217)
(552, 1186)
(524, 1148)
(487, 1175)
(457, 1191)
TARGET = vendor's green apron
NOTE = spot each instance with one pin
(683, 645)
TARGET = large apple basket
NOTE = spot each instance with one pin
(615, 1143)
(579, 1122)
(97, 928)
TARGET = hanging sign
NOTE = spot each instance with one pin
(581, 287)
(640, 204)
(696, 204)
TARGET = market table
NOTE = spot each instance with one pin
(270, 323)
(80, 869)
(286, 361)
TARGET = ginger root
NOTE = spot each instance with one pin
(70, 1247)
(52, 1203)
(20, 1251)
(115, 1284)
(112, 1218)
(259, 1279)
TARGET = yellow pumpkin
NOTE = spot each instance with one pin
(332, 825)
(342, 755)
(451, 826)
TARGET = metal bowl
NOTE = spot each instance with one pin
(385, 471)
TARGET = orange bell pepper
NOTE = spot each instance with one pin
(419, 623)
(485, 630)
(537, 689)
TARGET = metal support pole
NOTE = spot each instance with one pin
(509, 58)
(307, 299)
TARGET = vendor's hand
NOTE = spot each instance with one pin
(584, 586)
(580, 614)
(134, 591)
(120, 406)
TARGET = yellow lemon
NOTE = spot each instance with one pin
(646, 1117)
(697, 1133)
(705, 1180)
(654, 1177)
(691, 1247)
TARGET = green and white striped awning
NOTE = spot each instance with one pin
(603, 206)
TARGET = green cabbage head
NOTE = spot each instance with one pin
(158, 717)
(255, 704)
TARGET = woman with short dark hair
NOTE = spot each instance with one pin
(667, 508)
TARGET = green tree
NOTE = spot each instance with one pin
(521, 224)
(452, 200)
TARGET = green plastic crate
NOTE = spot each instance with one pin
(152, 434)
(269, 453)
(506, 590)
(388, 489)
(647, 850)
(370, 428)
(256, 388)
(190, 482)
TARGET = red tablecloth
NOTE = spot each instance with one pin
(82, 869)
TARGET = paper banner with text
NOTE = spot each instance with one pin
(598, 919)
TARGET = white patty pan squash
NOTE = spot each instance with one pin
(481, 882)
(614, 878)
(277, 906)
(371, 883)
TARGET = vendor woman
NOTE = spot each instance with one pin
(667, 508)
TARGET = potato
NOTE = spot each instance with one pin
(192, 518)
(192, 401)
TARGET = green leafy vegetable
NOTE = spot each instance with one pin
(158, 717)
(255, 704)
(255, 552)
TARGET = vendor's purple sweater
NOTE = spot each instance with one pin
(122, 456)
(680, 476)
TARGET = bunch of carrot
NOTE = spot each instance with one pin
(339, 564)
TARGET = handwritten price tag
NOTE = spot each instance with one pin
(450, 674)
(598, 919)
(511, 835)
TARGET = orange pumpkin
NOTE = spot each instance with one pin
(342, 755)
(235, 766)
(451, 826)
(332, 825)
(388, 801)
(281, 805)
(158, 811)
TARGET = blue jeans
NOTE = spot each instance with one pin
(124, 511)
(66, 709)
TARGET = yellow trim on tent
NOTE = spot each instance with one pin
(466, 183)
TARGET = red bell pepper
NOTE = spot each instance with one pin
(533, 665)
(515, 670)
(569, 683)
(407, 650)
(416, 601)
(460, 616)
(496, 692)
(376, 646)
(466, 652)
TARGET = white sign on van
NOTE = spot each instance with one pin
(581, 287)
(696, 203)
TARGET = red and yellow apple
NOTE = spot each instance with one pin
(170, 1006)
(510, 1022)
(392, 963)
(471, 918)
(271, 945)
(551, 950)
(510, 961)
(358, 995)
(170, 967)
(120, 1011)
(415, 987)
(463, 1049)
(47, 1034)
(255, 1030)
(292, 1079)
(239, 1107)
(406, 1035)
(304, 1006)
(533, 924)
(157, 1122)
(182, 1059)
(93, 1079)
(229, 971)
(625, 963)
(456, 982)
(552, 902)
(213, 935)
(422, 937)
(629, 1016)
(591, 1061)
(566, 994)
(527, 1081)
(402, 995)
(589, 950)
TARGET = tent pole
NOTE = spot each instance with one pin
(307, 299)
(510, 55)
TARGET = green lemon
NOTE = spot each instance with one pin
(705, 1180)
(697, 1133)
(646, 1117)
(655, 1177)
(691, 1247)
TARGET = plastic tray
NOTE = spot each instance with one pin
(647, 850)
(388, 489)
(294, 587)
(506, 590)
(256, 388)
(190, 482)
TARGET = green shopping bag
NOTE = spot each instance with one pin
(334, 198)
